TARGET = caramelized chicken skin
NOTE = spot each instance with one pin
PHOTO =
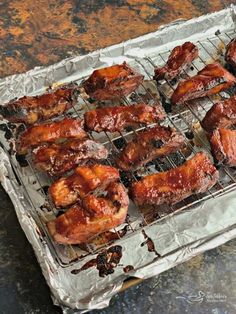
(223, 145)
(31, 109)
(230, 55)
(95, 215)
(50, 132)
(57, 159)
(196, 175)
(210, 80)
(221, 114)
(179, 59)
(112, 82)
(85, 179)
(117, 118)
(151, 143)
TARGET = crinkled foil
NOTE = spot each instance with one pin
(175, 239)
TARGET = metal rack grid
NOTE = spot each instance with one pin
(184, 119)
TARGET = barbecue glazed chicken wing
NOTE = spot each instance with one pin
(210, 80)
(230, 55)
(57, 159)
(67, 191)
(151, 143)
(223, 145)
(196, 175)
(50, 132)
(118, 118)
(179, 59)
(95, 214)
(31, 109)
(221, 114)
(112, 82)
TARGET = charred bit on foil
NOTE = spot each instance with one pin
(150, 244)
(105, 262)
(128, 268)
(8, 131)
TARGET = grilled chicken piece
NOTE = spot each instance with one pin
(152, 143)
(57, 159)
(210, 80)
(31, 109)
(196, 175)
(223, 145)
(67, 191)
(51, 132)
(221, 114)
(112, 82)
(230, 55)
(117, 118)
(96, 214)
(179, 59)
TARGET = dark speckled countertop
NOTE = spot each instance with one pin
(43, 32)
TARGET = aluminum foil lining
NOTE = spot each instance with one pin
(91, 282)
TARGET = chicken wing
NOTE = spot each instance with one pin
(31, 109)
(151, 143)
(179, 59)
(51, 132)
(221, 114)
(117, 118)
(112, 82)
(95, 215)
(230, 55)
(67, 191)
(210, 80)
(57, 159)
(196, 175)
(223, 145)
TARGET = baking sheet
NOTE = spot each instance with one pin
(161, 245)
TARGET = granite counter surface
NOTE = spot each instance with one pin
(43, 32)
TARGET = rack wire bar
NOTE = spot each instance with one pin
(184, 120)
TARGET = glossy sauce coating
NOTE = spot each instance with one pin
(66, 191)
(210, 80)
(223, 145)
(196, 175)
(57, 159)
(95, 215)
(221, 114)
(31, 109)
(151, 143)
(112, 82)
(230, 55)
(51, 132)
(117, 118)
(179, 59)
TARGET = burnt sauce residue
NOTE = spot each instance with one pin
(128, 268)
(7, 130)
(11, 130)
(105, 262)
(150, 244)
(22, 160)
